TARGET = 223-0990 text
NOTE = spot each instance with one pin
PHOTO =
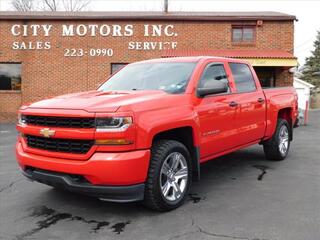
(93, 52)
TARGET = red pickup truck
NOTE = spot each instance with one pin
(143, 134)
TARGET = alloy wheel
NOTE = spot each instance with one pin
(283, 140)
(174, 176)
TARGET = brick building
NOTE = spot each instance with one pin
(47, 54)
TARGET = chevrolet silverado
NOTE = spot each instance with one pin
(144, 133)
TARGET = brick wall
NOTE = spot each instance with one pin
(10, 101)
(283, 77)
(48, 73)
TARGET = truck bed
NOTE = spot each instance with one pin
(279, 98)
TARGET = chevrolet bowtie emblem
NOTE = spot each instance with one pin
(47, 132)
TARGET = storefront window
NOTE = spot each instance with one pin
(10, 76)
(117, 66)
(266, 76)
(243, 34)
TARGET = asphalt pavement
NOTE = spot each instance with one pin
(240, 196)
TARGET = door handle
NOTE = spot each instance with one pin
(260, 100)
(233, 104)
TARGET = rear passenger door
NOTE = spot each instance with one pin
(251, 107)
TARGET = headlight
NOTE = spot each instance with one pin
(21, 119)
(113, 124)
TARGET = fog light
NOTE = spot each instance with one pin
(113, 141)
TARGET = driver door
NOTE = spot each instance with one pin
(216, 114)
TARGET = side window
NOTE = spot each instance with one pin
(214, 72)
(242, 77)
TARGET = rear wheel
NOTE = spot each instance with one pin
(277, 147)
(169, 175)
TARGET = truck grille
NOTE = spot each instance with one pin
(59, 144)
(66, 122)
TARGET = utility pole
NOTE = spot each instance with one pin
(165, 5)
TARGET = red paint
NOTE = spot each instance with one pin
(306, 113)
(153, 112)
(100, 168)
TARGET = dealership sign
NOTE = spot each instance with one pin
(93, 30)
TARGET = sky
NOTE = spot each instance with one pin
(307, 12)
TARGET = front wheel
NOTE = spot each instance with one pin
(277, 147)
(169, 175)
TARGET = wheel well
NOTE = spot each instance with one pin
(185, 136)
(285, 113)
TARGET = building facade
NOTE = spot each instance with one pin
(49, 54)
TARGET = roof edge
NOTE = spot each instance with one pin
(244, 54)
(304, 82)
(177, 16)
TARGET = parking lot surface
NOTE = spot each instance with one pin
(240, 196)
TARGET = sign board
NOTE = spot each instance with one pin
(167, 33)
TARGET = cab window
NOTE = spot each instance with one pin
(213, 72)
(242, 77)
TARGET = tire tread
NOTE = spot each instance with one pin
(152, 199)
(271, 146)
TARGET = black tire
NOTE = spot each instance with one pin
(160, 151)
(271, 147)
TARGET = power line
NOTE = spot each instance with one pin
(304, 43)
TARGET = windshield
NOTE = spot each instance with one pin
(171, 77)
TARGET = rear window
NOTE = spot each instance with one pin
(242, 77)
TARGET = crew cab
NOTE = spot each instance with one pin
(142, 135)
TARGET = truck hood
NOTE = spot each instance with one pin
(99, 101)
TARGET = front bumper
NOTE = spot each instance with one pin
(74, 184)
(118, 176)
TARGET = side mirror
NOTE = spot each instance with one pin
(213, 87)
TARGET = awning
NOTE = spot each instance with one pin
(266, 58)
